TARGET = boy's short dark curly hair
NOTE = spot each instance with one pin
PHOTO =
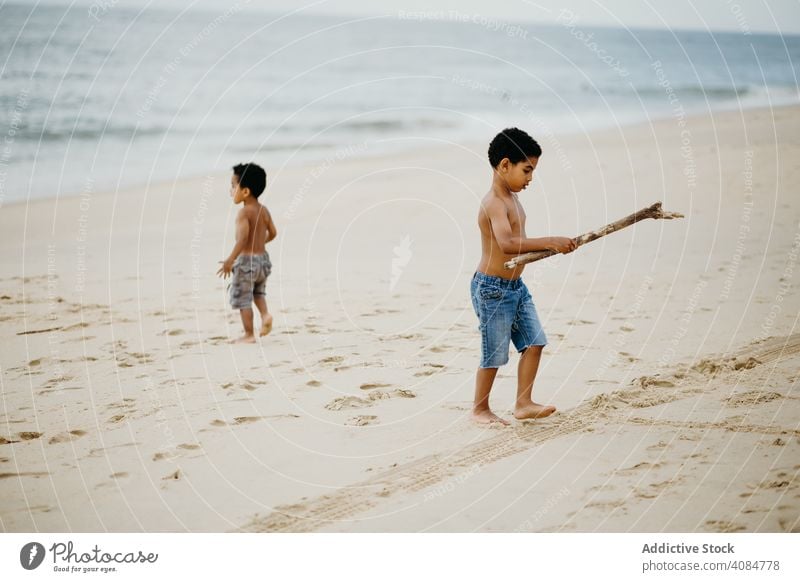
(514, 144)
(251, 176)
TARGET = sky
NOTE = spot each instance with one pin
(748, 16)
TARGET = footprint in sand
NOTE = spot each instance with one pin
(66, 437)
(646, 381)
(107, 451)
(246, 419)
(609, 506)
(173, 454)
(282, 416)
(55, 384)
(162, 456)
(29, 435)
(249, 385)
(432, 369)
(314, 383)
(708, 367)
(117, 418)
(746, 364)
(751, 398)
(660, 445)
(722, 526)
(458, 407)
(362, 420)
(643, 466)
(378, 312)
(25, 474)
(172, 332)
(440, 349)
(174, 476)
(344, 402)
(126, 403)
(371, 385)
(131, 359)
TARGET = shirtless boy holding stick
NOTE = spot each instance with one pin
(501, 300)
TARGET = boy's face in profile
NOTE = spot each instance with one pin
(237, 193)
(518, 175)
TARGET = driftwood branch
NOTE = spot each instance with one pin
(655, 211)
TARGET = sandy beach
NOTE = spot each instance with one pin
(673, 358)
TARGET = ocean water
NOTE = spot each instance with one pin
(99, 97)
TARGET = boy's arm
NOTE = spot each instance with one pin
(513, 244)
(272, 232)
(242, 233)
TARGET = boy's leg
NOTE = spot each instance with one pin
(495, 315)
(526, 374)
(247, 322)
(259, 297)
(266, 316)
(483, 386)
(528, 331)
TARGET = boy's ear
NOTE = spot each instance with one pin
(245, 192)
(504, 164)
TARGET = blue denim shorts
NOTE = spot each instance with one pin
(506, 313)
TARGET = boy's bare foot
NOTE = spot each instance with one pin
(245, 339)
(487, 417)
(266, 325)
(533, 410)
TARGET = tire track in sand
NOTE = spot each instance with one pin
(427, 471)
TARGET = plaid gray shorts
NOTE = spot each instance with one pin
(250, 274)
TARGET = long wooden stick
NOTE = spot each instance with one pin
(655, 211)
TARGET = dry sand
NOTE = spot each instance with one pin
(674, 352)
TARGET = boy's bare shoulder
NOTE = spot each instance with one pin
(493, 203)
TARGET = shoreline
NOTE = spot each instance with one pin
(315, 162)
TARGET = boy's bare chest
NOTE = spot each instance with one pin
(516, 215)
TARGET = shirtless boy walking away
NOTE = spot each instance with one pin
(249, 262)
(501, 300)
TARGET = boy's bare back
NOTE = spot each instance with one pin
(259, 227)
